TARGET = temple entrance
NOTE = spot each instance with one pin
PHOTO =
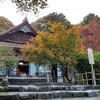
(23, 68)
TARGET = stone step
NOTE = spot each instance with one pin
(29, 88)
(35, 88)
(24, 80)
(48, 95)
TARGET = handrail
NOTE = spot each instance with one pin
(80, 79)
(84, 78)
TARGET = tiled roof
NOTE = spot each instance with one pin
(18, 27)
(8, 44)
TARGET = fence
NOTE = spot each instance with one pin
(79, 79)
(87, 79)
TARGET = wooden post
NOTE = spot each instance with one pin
(78, 78)
(83, 79)
(93, 75)
(86, 77)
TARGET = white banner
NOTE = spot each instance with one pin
(90, 56)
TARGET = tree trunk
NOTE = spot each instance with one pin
(54, 73)
(7, 71)
(65, 75)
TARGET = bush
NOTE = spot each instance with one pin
(83, 63)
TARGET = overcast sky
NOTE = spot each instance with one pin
(74, 10)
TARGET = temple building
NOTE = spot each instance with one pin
(16, 37)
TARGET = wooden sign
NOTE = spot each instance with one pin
(90, 56)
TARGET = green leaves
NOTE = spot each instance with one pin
(7, 58)
(42, 23)
(83, 63)
(88, 18)
(6, 52)
(30, 5)
(5, 24)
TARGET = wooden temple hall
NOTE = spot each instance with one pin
(16, 37)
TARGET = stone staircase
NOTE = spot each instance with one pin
(41, 90)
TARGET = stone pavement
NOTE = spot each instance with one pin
(92, 98)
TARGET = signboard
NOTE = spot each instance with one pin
(90, 56)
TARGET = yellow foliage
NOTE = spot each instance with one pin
(63, 45)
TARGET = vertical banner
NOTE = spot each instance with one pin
(90, 56)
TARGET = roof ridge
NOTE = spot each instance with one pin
(18, 26)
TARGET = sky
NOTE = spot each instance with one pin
(74, 10)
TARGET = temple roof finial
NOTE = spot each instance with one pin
(25, 19)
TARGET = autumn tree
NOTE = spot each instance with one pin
(91, 33)
(62, 47)
(41, 23)
(8, 60)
